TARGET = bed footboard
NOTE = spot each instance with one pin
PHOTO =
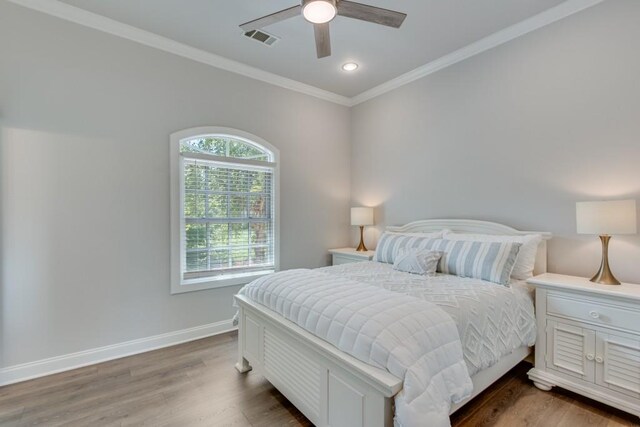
(329, 387)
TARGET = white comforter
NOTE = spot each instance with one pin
(413, 339)
(492, 320)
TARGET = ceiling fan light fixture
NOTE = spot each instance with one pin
(319, 11)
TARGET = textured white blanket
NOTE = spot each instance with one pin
(492, 320)
(413, 339)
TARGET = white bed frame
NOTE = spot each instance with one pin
(332, 388)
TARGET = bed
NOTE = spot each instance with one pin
(333, 388)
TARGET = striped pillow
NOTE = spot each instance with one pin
(525, 264)
(490, 261)
(390, 243)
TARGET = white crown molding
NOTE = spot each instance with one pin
(40, 368)
(88, 19)
(543, 19)
(92, 20)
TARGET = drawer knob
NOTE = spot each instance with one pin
(599, 359)
(590, 356)
(594, 314)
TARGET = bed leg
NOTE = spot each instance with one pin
(243, 366)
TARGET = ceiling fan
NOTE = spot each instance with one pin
(321, 12)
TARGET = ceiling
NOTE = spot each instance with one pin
(433, 28)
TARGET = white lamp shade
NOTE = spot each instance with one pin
(361, 216)
(608, 217)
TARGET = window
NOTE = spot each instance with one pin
(224, 228)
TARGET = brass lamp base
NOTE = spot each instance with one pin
(604, 276)
(361, 246)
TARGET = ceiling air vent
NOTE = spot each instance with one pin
(262, 37)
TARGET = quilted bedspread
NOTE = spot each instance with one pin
(492, 320)
(413, 339)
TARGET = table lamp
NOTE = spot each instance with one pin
(604, 219)
(361, 217)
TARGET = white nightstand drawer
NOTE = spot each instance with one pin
(349, 255)
(594, 312)
(341, 259)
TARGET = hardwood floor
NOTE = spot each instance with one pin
(195, 384)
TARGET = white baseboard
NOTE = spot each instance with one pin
(40, 368)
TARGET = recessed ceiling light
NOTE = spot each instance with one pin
(350, 66)
(319, 11)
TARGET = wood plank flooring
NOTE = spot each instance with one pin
(195, 384)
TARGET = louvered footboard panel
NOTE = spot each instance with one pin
(330, 388)
(294, 374)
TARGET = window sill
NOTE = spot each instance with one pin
(223, 281)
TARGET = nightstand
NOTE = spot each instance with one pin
(347, 255)
(588, 339)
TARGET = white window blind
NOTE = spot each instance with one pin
(227, 217)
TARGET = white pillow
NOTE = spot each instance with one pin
(523, 268)
(390, 243)
(418, 261)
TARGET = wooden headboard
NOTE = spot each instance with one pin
(476, 227)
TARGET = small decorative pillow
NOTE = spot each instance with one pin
(423, 262)
(490, 261)
(390, 243)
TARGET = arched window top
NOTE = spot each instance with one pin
(226, 146)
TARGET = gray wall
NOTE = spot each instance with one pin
(85, 121)
(515, 135)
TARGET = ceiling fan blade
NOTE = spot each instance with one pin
(272, 19)
(368, 13)
(323, 40)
